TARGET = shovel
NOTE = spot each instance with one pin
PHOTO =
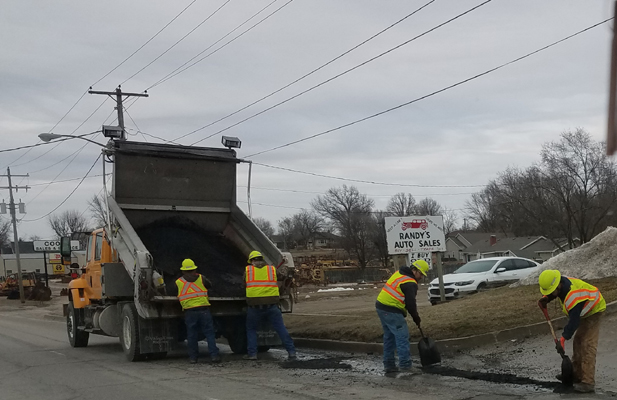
(429, 354)
(567, 371)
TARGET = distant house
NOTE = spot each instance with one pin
(321, 240)
(458, 242)
(537, 248)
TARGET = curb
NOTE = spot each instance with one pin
(446, 346)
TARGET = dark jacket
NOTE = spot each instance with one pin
(409, 289)
(574, 314)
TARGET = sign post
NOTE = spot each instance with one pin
(417, 235)
(45, 263)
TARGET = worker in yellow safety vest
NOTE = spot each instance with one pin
(584, 305)
(262, 297)
(193, 295)
(398, 297)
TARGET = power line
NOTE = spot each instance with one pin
(64, 180)
(370, 195)
(309, 73)
(144, 45)
(67, 197)
(41, 143)
(174, 73)
(427, 95)
(346, 71)
(176, 43)
(364, 181)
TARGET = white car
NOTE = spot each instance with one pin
(482, 274)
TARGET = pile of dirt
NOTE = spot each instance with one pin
(495, 377)
(172, 240)
(595, 259)
(317, 363)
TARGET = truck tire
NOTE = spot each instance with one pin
(77, 338)
(236, 336)
(129, 336)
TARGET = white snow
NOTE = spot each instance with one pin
(336, 289)
(593, 260)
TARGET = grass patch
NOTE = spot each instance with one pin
(489, 311)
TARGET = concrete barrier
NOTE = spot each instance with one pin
(446, 346)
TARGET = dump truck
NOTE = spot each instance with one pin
(168, 203)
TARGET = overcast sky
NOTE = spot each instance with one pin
(53, 51)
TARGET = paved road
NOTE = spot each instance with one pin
(36, 362)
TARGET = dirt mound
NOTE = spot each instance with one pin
(595, 259)
(172, 240)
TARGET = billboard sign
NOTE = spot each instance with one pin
(53, 245)
(415, 255)
(415, 234)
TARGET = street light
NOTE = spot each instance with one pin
(47, 137)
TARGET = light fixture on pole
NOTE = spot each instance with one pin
(48, 137)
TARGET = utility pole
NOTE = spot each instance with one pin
(13, 210)
(118, 93)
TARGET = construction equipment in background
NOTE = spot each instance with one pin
(33, 283)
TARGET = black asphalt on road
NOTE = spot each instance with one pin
(36, 362)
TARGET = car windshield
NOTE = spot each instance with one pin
(476, 267)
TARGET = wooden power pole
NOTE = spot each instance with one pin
(119, 96)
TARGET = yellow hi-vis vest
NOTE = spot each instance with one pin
(261, 282)
(583, 292)
(192, 294)
(391, 294)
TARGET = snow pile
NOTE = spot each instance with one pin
(593, 260)
(336, 289)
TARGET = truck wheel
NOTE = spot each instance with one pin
(129, 337)
(236, 337)
(77, 338)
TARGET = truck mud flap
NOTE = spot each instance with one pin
(157, 335)
(266, 336)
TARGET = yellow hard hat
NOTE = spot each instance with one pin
(188, 265)
(549, 280)
(421, 265)
(254, 254)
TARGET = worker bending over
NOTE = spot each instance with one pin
(398, 297)
(584, 306)
(262, 298)
(193, 295)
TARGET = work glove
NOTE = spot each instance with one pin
(543, 302)
(416, 319)
(560, 345)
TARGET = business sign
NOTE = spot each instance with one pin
(53, 245)
(58, 269)
(415, 255)
(415, 234)
(55, 258)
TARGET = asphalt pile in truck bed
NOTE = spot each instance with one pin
(171, 241)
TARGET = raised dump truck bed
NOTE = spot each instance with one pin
(167, 203)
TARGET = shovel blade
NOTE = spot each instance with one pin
(429, 354)
(567, 371)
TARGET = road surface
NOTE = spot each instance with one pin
(36, 362)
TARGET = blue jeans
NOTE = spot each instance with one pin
(197, 320)
(273, 314)
(395, 336)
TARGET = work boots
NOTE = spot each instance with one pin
(584, 388)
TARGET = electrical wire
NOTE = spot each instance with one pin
(144, 45)
(428, 95)
(67, 197)
(346, 71)
(179, 70)
(369, 195)
(364, 181)
(63, 181)
(176, 43)
(42, 143)
(309, 73)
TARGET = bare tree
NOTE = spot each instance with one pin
(68, 222)
(350, 212)
(265, 226)
(306, 224)
(449, 220)
(401, 205)
(5, 228)
(96, 205)
(379, 235)
(32, 238)
(286, 230)
(428, 206)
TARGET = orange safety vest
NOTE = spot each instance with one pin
(581, 291)
(261, 282)
(192, 294)
(391, 294)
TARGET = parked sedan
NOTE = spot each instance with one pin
(482, 274)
